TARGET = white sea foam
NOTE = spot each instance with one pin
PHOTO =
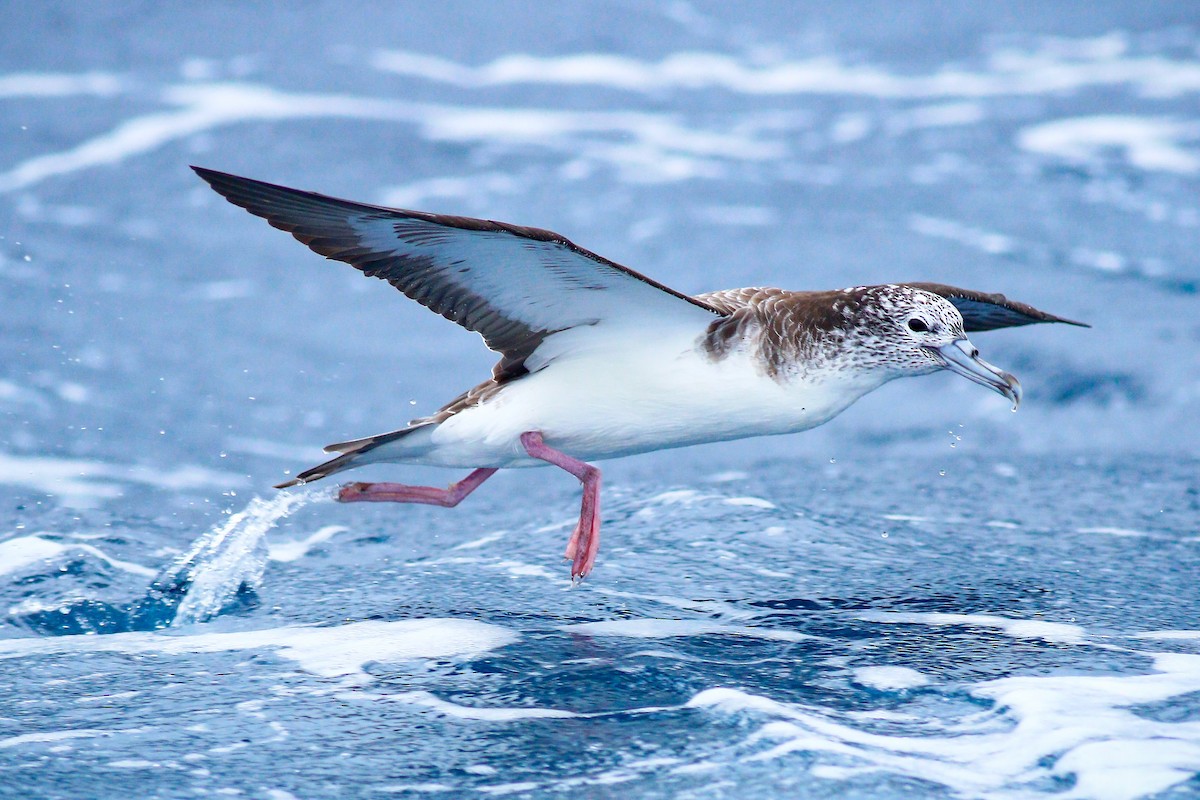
(328, 652)
(279, 794)
(294, 550)
(1059, 632)
(1008, 72)
(1108, 531)
(1169, 635)
(940, 115)
(645, 146)
(749, 502)
(16, 554)
(53, 84)
(84, 483)
(106, 697)
(475, 544)
(1085, 727)
(520, 569)
(990, 242)
(851, 127)
(648, 628)
(417, 193)
(889, 678)
(1102, 260)
(1002, 244)
(21, 552)
(684, 497)
(691, 497)
(709, 608)
(501, 789)
(55, 736)
(728, 477)
(1149, 143)
(487, 714)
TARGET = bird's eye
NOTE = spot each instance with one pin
(917, 325)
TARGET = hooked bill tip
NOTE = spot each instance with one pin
(1014, 390)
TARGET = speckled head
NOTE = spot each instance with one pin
(908, 331)
(867, 334)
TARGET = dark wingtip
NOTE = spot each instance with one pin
(207, 174)
(224, 183)
(1064, 321)
(288, 484)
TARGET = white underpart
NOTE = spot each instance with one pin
(621, 393)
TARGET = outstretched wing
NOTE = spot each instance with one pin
(514, 286)
(986, 312)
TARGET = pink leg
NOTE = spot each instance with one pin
(400, 493)
(585, 541)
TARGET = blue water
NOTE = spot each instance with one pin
(929, 596)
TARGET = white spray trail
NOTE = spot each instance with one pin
(233, 554)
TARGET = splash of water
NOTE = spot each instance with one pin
(226, 560)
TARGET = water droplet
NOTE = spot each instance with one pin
(942, 472)
(833, 461)
(884, 534)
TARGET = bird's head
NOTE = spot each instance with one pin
(917, 332)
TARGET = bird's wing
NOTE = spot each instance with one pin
(514, 286)
(986, 312)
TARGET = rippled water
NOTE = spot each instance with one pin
(927, 597)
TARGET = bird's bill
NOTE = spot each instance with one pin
(962, 357)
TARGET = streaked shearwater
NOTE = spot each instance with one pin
(598, 361)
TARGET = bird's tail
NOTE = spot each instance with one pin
(353, 453)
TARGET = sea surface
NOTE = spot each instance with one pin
(928, 597)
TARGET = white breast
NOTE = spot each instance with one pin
(634, 396)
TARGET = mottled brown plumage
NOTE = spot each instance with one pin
(795, 331)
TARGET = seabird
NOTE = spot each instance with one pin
(598, 361)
